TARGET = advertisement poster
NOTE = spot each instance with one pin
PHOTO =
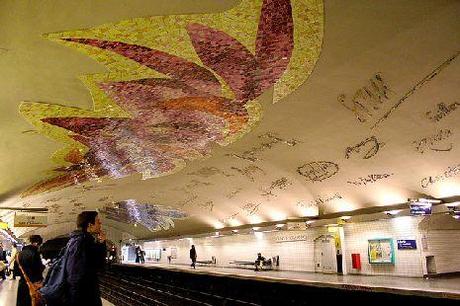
(381, 251)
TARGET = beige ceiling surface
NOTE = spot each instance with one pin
(372, 121)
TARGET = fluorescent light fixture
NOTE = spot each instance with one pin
(392, 212)
(434, 201)
(235, 231)
(256, 228)
(309, 222)
(280, 225)
(452, 204)
(456, 217)
(345, 218)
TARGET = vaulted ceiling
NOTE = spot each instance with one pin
(173, 117)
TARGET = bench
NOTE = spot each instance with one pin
(213, 261)
(246, 264)
(268, 264)
(242, 263)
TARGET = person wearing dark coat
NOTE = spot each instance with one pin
(193, 256)
(86, 252)
(3, 260)
(31, 263)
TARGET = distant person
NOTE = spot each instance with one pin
(113, 256)
(259, 262)
(13, 267)
(3, 266)
(193, 256)
(86, 251)
(140, 255)
(29, 263)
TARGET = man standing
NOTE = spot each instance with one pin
(193, 256)
(31, 264)
(86, 251)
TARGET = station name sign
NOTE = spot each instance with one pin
(30, 220)
(290, 237)
(407, 244)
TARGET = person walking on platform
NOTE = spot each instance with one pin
(86, 251)
(30, 270)
(193, 256)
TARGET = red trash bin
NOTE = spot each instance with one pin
(356, 261)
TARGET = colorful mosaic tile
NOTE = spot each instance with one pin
(153, 217)
(176, 86)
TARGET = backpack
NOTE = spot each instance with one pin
(53, 290)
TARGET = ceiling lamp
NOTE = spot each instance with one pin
(433, 201)
(280, 225)
(392, 213)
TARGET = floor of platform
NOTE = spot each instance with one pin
(8, 293)
(448, 287)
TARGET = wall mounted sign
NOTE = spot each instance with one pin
(381, 251)
(407, 244)
(290, 237)
(30, 220)
(420, 209)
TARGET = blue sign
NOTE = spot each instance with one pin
(407, 244)
(420, 209)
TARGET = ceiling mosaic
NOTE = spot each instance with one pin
(214, 114)
(176, 87)
(153, 217)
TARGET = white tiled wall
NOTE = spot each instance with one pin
(299, 255)
(294, 256)
(444, 245)
(407, 262)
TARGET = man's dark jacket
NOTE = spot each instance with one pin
(85, 257)
(31, 263)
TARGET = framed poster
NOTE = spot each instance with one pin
(381, 251)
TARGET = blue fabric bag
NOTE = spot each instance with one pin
(53, 290)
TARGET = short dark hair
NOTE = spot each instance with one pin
(36, 239)
(85, 218)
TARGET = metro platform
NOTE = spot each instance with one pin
(9, 289)
(448, 286)
(174, 284)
